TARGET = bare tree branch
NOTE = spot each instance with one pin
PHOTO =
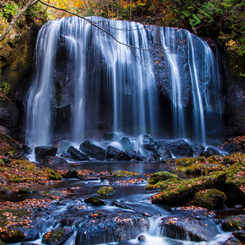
(31, 2)
(93, 24)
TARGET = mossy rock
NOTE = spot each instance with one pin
(105, 191)
(210, 199)
(198, 168)
(54, 175)
(123, 173)
(26, 190)
(57, 236)
(163, 184)
(184, 161)
(161, 176)
(72, 173)
(94, 201)
(233, 223)
(182, 192)
(232, 159)
(236, 173)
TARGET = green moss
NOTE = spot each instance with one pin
(161, 176)
(123, 173)
(232, 223)
(213, 160)
(53, 174)
(181, 191)
(236, 173)
(209, 198)
(200, 168)
(105, 190)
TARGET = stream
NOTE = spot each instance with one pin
(129, 198)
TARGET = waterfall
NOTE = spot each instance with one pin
(38, 114)
(112, 81)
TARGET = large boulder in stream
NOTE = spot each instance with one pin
(44, 151)
(126, 143)
(103, 227)
(93, 150)
(116, 154)
(179, 147)
(188, 228)
(183, 191)
(57, 236)
(77, 155)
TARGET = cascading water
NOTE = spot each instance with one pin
(98, 84)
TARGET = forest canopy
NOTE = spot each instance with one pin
(222, 20)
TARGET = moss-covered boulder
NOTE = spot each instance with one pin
(57, 236)
(94, 201)
(233, 223)
(199, 165)
(188, 228)
(163, 184)
(161, 176)
(105, 191)
(210, 199)
(181, 192)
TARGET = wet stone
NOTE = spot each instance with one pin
(111, 227)
(93, 150)
(77, 155)
(57, 236)
(44, 151)
(232, 241)
(94, 201)
(239, 235)
(186, 228)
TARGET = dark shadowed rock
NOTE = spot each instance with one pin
(239, 235)
(105, 227)
(233, 193)
(130, 153)
(77, 155)
(126, 143)
(179, 148)
(235, 222)
(198, 149)
(9, 114)
(44, 151)
(57, 236)
(163, 154)
(93, 150)
(54, 160)
(210, 151)
(116, 154)
(94, 201)
(148, 143)
(72, 173)
(232, 241)
(186, 228)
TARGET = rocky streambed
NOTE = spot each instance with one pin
(183, 201)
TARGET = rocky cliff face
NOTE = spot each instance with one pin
(234, 94)
(16, 62)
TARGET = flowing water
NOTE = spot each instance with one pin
(88, 81)
(135, 197)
